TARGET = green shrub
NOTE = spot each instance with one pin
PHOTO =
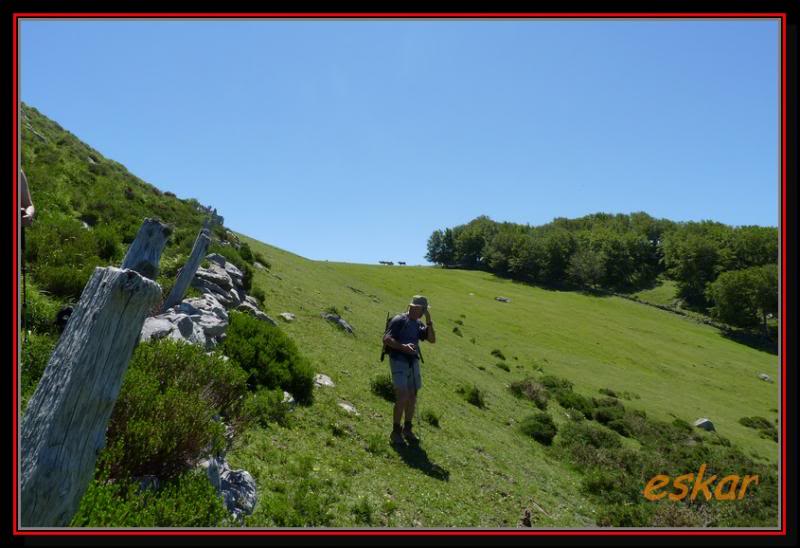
(540, 427)
(65, 281)
(608, 392)
(383, 387)
(625, 515)
(246, 253)
(34, 356)
(41, 310)
(766, 428)
(605, 415)
(457, 331)
(556, 384)
(572, 400)
(587, 434)
(459, 322)
(532, 390)
(268, 355)
(473, 395)
(163, 417)
(498, 354)
(187, 501)
(431, 417)
(266, 406)
(258, 294)
(108, 242)
(502, 365)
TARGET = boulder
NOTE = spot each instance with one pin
(206, 304)
(349, 407)
(216, 274)
(338, 320)
(217, 258)
(236, 487)
(502, 299)
(323, 380)
(288, 398)
(705, 424)
(254, 311)
(764, 377)
(259, 265)
(234, 273)
(155, 328)
(288, 316)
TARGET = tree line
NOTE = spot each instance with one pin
(728, 272)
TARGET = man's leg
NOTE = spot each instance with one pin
(411, 402)
(400, 399)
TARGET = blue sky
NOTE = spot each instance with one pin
(354, 140)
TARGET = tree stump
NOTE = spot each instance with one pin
(144, 254)
(64, 426)
(189, 269)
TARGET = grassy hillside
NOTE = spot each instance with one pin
(477, 468)
(669, 366)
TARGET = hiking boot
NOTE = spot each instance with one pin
(409, 435)
(396, 438)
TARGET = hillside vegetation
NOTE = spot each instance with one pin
(551, 410)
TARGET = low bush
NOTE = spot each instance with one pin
(498, 354)
(556, 384)
(608, 392)
(266, 407)
(531, 390)
(572, 400)
(40, 310)
(187, 501)
(34, 355)
(164, 415)
(766, 428)
(246, 253)
(268, 355)
(540, 427)
(605, 415)
(262, 260)
(502, 365)
(457, 331)
(382, 386)
(473, 395)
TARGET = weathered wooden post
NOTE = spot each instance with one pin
(188, 271)
(65, 423)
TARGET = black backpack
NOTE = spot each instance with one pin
(385, 349)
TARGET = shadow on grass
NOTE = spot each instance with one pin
(754, 340)
(416, 457)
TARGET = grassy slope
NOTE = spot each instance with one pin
(677, 367)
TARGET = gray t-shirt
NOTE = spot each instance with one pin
(405, 330)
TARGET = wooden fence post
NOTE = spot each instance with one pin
(188, 271)
(64, 426)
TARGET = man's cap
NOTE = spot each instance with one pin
(419, 300)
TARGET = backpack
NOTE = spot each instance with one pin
(385, 349)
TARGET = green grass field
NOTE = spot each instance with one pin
(476, 470)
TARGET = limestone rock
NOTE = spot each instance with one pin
(323, 380)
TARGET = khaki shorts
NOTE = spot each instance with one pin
(405, 373)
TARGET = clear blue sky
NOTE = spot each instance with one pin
(354, 140)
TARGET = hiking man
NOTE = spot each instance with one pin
(402, 338)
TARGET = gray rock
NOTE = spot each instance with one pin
(705, 424)
(764, 377)
(288, 316)
(259, 265)
(323, 380)
(349, 407)
(237, 487)
(288, 398)
(502, 299)
(251, 300)
(155, 328)
(254, 311)
(217, 275)
(217, 258)
(338, 320)
(235, 274)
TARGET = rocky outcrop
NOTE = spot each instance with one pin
(236, 487)
(339, 321)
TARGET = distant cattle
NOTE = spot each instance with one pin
(401, 263)
(388, 263)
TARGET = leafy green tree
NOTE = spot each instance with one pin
(744, 298)
(586, 267)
